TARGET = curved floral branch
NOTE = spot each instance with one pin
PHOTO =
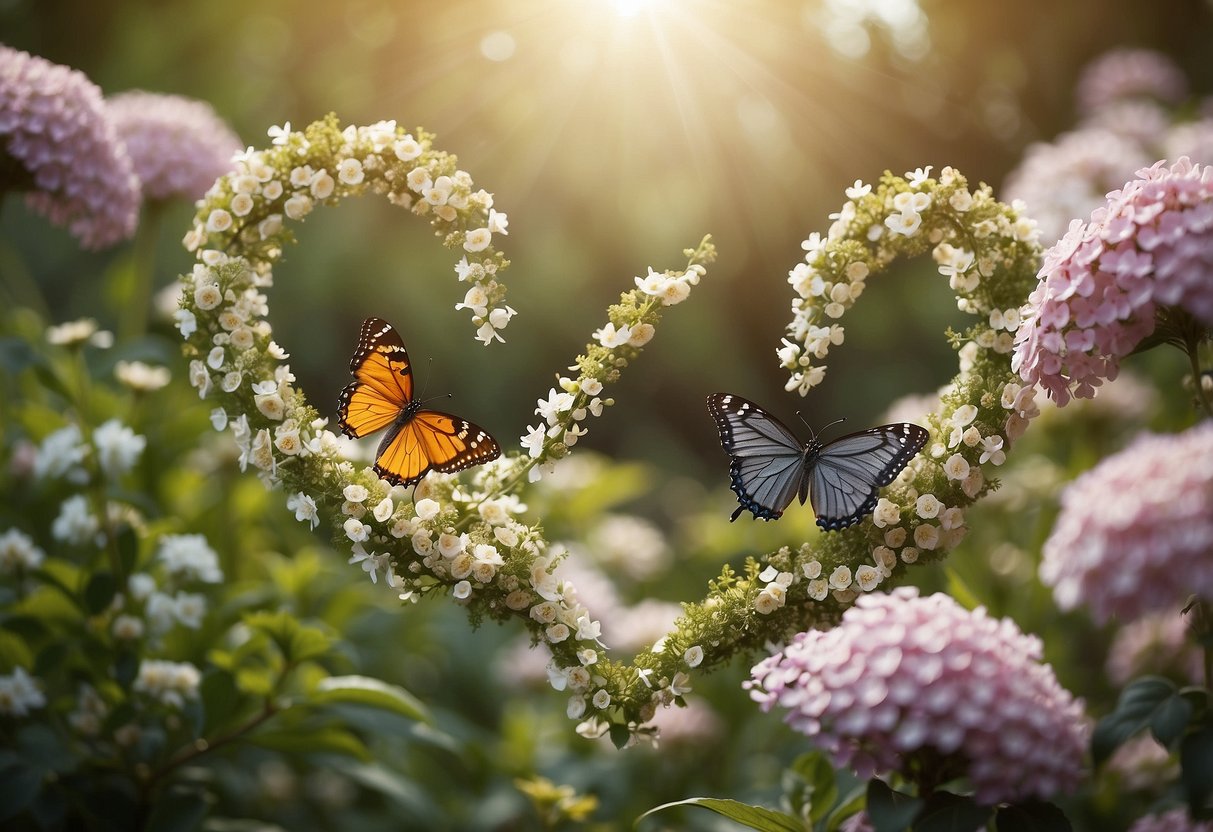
(463, 534)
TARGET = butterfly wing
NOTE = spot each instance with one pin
(432, 441)
(848, 473)
(767, 460)
(383, 381)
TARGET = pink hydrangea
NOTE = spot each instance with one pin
(1070, 176)
(179, 146)
(1135, 532)
(1176, 820)
(54, 124)
(1130, 73)
(906, 679)
(1156, 645)
(1150, 245)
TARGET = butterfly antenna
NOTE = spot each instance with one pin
(816, 433)
(429, 366)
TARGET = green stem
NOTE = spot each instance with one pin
(134, 316)
(1191, 347)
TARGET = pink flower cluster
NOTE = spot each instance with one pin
(1130, 73)
(1150, 245)
(179, 146)
(1176, 820)
(1135, 532)
(903, 674)
(54, 124)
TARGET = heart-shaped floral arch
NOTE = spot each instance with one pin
(464, 534)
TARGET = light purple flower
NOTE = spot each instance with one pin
(1176, 820)
(1070, 176)
(1130, 73)
(906, 680)
(54, 124)
(179, 146)
(1135, 532)
(1151, 245)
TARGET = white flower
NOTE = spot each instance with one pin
(406, 148)
(427, 509)
(557, 402)
(610, 337)
(189, 608)
(350, 171)
(60, 454)
(886, 513)
(118, 447)
(532, 441)
(18, 552)
(280, 135)
(477, 239)
(304, 508)
(840, 578)
(200, 378)
(19, 693)
(681, 684)
(356, 530)
(693, 656)
(926, 536)
(587, 629)
(956, 467)
(355, 493)
(858, 190)
(298, 206)
(170, 682)
(140, 586)
(498, 222)
(867, 577)
(75, 523)
(141, 377)
(127, 628)
(218, 220)
(371, 562)
(602, 699)
(904, 223)
(462, 590)
(991, 450)
(189, 557)
(383, 510)
(927, 506)
(187, 323)
(642, 333)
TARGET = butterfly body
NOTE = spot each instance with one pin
(418, 440)
(769, 465)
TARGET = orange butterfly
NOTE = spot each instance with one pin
(417, 440)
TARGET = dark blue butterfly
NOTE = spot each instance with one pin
(770, 465)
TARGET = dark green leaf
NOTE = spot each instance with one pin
(752, 817)
(128, 549)
(813, 785)
(1134, 711)
(220, 699)
(1031, 816)
(51, 658)
(99, 592)
(180, 810)
(890, 811)
(42, 747)
(369, 692)
(1171, 719)
(328, 740)
(28, 627)
(1196, 768)
(945, 812)
(19, 786)
(620, 735)
(126, 667)
(51, 381)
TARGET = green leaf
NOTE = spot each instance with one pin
(220, 699)
(371, 693)
(818, 790)
(19, 786)
(946, 812)
(1031, 816)
(41, 746)
(960, 591)
(1135, 710)
(1196, 768)
(851, 804)
(99, 592)
(304, 740)
(1171, 719)
(297, 641)
(128, 549)
(181, 810)
(620, 735)
(888, 810)
(752, 817)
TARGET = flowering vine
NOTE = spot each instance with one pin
(467, 534)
